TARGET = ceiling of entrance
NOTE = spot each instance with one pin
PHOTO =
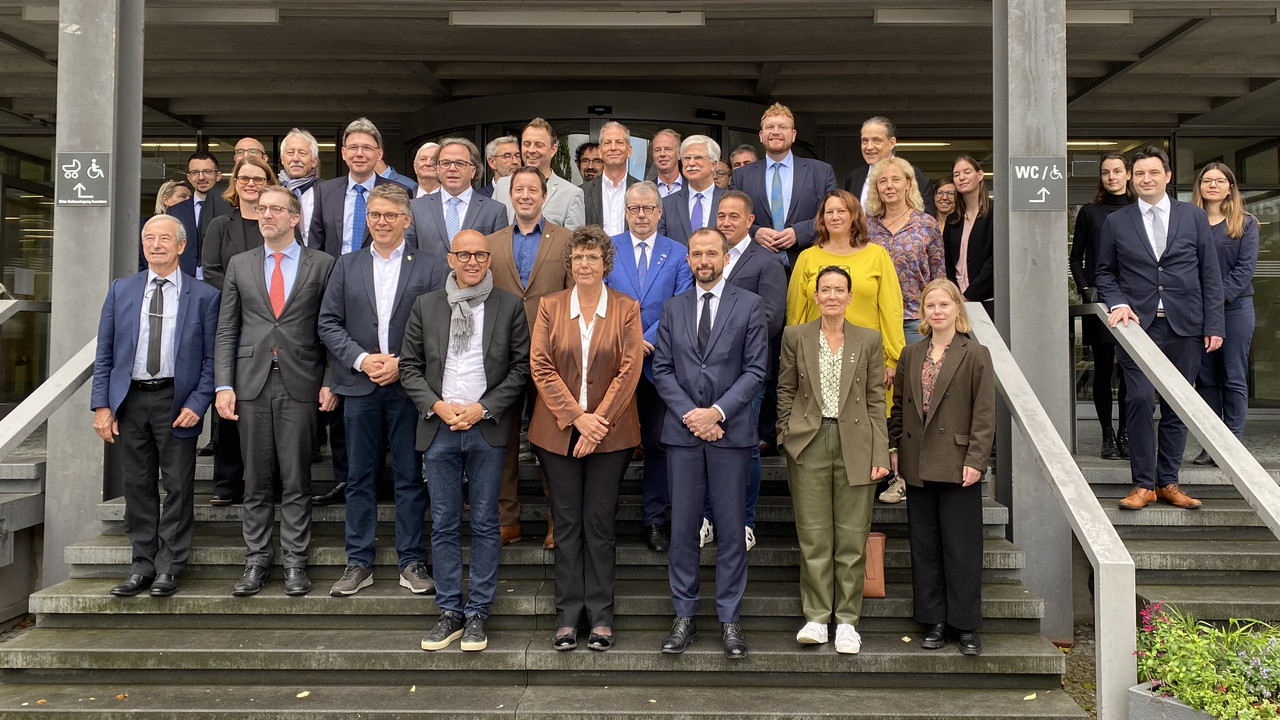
(267, 66)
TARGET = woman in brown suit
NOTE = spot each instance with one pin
(831, 421)
(586, 356)
(942, 426)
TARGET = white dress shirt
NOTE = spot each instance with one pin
(585, 331)
(636, 242)
(706, 195)
(464, 202)
(308, 202)
(423, 191)
(349, 210)
(613, 202)
(172, 290)
(716, 291)
(1145, 209)
(386, 278)
(866, 187)
(464, 379)
(735, 254)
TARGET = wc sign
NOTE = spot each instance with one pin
(1038, 184)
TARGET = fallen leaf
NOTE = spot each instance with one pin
(42, 702)
(652, 700)
(413, 689)
(1032, 696)
(25, 704)
(500, 707)
(906, 639)
(122, 696)
(304, 693)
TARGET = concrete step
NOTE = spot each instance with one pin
(529, 703)
(1217, 603)
(1173, 554)
(1116, 472)
(1216, 513)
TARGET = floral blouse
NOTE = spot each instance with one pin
(929, 375)
(917, 254)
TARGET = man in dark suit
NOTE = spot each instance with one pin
(502, 155)
(366, 305)
(648, 267)
(709, 362)
(152, 383)
(878, 141)
(456, 206)
(694, 205)
(1158, 266)
(270, 372)
(207, 202)
(605, 195)
(465, 364)
(786, 190)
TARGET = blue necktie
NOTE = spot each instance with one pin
(775, 199)
(358, 220)
(451, 222)
(695, 218)
(642, 267)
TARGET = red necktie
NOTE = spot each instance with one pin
(276, 291)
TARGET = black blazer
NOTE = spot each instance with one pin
(674, 222)
(214, 206)
(326, 215)
(226, 239)
(593, 198)
(981, 260)
(854, 181)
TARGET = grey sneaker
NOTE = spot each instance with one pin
(896, 493)
(354, 579)
(473, 638)
(415, 577)
(448, 628)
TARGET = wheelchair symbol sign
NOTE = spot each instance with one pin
(83, 179)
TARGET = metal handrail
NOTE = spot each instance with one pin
(1244, 471)
(1115, 602)
(9, 308)
(46, 399)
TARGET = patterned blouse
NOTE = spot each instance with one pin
(929, 374)
(829, 365)
(917, 254)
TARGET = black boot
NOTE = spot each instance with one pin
(1109, 451)
(1122, 444)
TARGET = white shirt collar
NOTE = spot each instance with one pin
(636, 240)
(741, 247)
(395, 254)
(464, 196)
(174, 277)
(575, 308)
(1144, 207)
(717, 290)
(613, 185)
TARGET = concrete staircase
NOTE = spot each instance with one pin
(205, 654)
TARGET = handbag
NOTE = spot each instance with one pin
(873, 585)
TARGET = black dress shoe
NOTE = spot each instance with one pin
(1204, 458)
(296, 581)
(255, 576)
(1122, 444)
(969, 643)
(164, 585)
(134, 585)
(735, 646)
(337, 495)
(936, 637)
(600, 642)
(316, 456)
(683, 632)
(565, 642)
(205, 451)
(656, 539)
(224, 500)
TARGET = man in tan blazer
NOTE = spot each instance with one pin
(528, 261)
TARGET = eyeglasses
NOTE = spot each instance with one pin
(945, 194)
(365, 149)
(451, 164)
(203, 173)
(694, 158)
(241, 152)
(273, 210)
(641, 209)
(249, 180)
(593, 258)
(507, 157)
(388, 216)
(721, 173)
(592, 161)
(1220, 182)
(466, 256)
(777, 127)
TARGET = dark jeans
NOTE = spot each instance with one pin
(363, 417)
(1150, 466)
(1223, 380)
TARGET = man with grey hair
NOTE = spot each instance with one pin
(503, 157)
(605, 195)
(693, 206)
(744, 154)
(300, 158)
(424, 166)
(438, 217)
(877, 143)
(665, 149)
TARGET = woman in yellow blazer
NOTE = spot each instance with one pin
(586, 355)
(831, 421)
(942, 426)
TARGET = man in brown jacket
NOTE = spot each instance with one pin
(528, 261)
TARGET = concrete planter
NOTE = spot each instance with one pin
(1147, 705)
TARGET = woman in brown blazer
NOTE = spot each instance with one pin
(831, 421)
(586, 355)
(942, 426)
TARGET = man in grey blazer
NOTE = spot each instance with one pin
(270, 371)
(693, 206)
(439, 216)
(605, 196)
(564, 206)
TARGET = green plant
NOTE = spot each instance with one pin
(1226, 672)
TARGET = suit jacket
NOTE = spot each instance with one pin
(669, 275)
(248, 330)
(408, 183)
(593, 197)
(813, 180)
(349, 313)
(674, 222)
(548, 276)
(486, 190)
(214, 206)
(729, 374)
(326, 214)
(196, 323)
(564, 205)
(226, 239)
(761, 272)
(960, 426)
(857, 177)
(1186, 277)
(429, 233)
(981, 259)
(864, 439)
(555, 361)
(506, 362)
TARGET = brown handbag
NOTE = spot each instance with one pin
(873, 586)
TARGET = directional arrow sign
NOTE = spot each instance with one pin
(1038, 183)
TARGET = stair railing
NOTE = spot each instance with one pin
(46, 399)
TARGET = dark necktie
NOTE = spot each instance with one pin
(704, 324)
(155, 335)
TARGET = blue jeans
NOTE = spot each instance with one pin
(451, 454)
(363, 417)
(911, 329)
(753, 479)
(1223, 380)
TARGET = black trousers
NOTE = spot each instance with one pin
(655, 487)
(228, 466)
(1154, 458)
(945, 525)
(584, 501)
(145, 448)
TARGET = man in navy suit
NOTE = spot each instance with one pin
(455, 206)
(694, 205)
(362, 319)
(334, 225)
(651, 269)
(1158, 266)
(152, 383)
(786, 190)
(709, 364)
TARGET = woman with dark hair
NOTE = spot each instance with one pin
(831, 421)
(230, 235)
(944, 199)
(1114, 193)
(586, 355)
(1223, 381)
(970, 234)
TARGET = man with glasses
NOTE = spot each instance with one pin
(604, 195)
(250, 146)
(723, 175)
(538, 147)
(337, 221)
(693, 206)
(196, 213)
(589, 161)
(440, 216)
(650, 268)
(878, 143)
(424, 166)
(503, 157)
(364, 331)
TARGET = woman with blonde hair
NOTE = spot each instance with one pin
(171, 193)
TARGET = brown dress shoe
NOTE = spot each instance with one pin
(1138, 498)
(510, 534)
(1173, 495)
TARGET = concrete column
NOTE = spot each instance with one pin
(1029, 59)
(99, 109)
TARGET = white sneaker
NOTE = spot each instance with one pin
(812, 634)
(707, 534)
(896, 493)
(848, 641)
(751, 539)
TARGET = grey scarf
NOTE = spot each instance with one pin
(461, 300)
